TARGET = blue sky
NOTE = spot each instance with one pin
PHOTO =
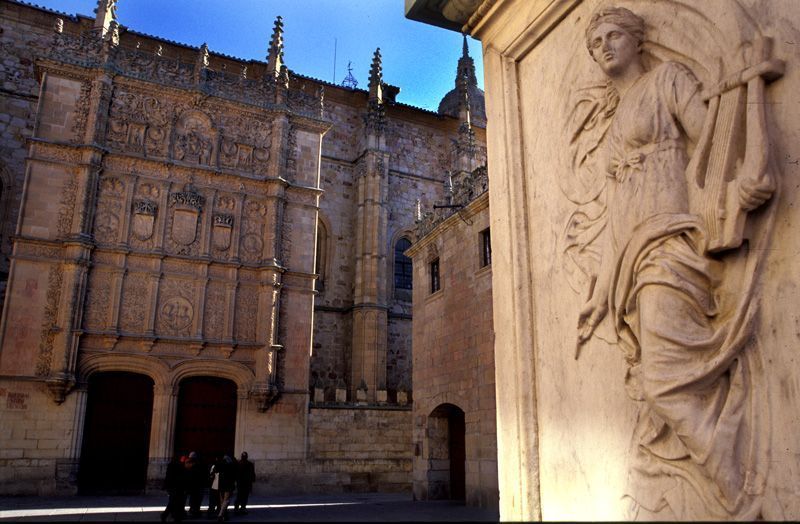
(419, 58)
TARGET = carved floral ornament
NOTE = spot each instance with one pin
(663, 171)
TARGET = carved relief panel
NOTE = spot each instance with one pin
(144, 215)
(254, 224)
(110, 210)
(216, 309)
(246, 313)
(195, 139)
(183, 221)
(138, 123)
(665, 157)
(245, 144)
(175, 313)
(135, 303)
(223, 226)
(98, 300)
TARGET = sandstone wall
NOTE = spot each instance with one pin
(349, 450)
(453, 356)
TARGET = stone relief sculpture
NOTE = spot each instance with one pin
(664, 175)
(195, 139)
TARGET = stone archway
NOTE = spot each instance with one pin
(116, 436)
(446, 450)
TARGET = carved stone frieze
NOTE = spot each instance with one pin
(195, 139)
(66, 209)
(138, 123)
(135, 303)
(246, 316)
(176, 310)
(109, 214)
(98, 300)
(215, 311)
(253, 228)
(35, 250)
(49, 326)
(81, 112)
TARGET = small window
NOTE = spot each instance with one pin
(403, 268)
(435, 282)
(486, 248)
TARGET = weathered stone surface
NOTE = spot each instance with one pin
(169, 229)
(690, 419)
(453, 365)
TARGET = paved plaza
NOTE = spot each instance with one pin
(362, 507)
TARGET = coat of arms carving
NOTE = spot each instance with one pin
(221, 231)
(187, 204)
(144, 217)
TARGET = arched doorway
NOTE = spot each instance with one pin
(447, 453)
(116, 436)
(206, 418)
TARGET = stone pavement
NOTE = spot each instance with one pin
(361, 507)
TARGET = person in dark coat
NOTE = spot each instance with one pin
(227, 484)
(196, 481)
(245, 476)
(175, 486)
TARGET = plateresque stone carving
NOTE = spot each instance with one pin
(664, 175)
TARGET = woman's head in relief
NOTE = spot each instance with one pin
(614, 38)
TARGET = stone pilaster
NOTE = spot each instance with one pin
(368, 363)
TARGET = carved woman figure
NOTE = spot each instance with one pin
(656, 286)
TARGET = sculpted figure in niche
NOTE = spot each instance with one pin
(658, 266)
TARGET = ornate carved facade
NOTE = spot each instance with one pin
(169, 227)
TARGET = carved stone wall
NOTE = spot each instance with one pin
(588, 430)
(168, 229)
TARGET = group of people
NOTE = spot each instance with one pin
(188, 478)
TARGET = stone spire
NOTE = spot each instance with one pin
(376, 113)
(275, 54)
(376, 77)
(466, 94)
(105, 15)
(466, 66)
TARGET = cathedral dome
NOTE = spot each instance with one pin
(466, 84)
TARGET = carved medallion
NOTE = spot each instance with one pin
(177, 313)
(252, 244)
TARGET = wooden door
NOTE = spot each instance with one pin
(206, 418)
(116, 436)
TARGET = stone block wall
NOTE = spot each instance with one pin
(454, 357)
(361, 449)
(36, 440)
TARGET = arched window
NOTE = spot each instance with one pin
(322, 256)
(403, 269)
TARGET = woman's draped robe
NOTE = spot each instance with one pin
(695, 451)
